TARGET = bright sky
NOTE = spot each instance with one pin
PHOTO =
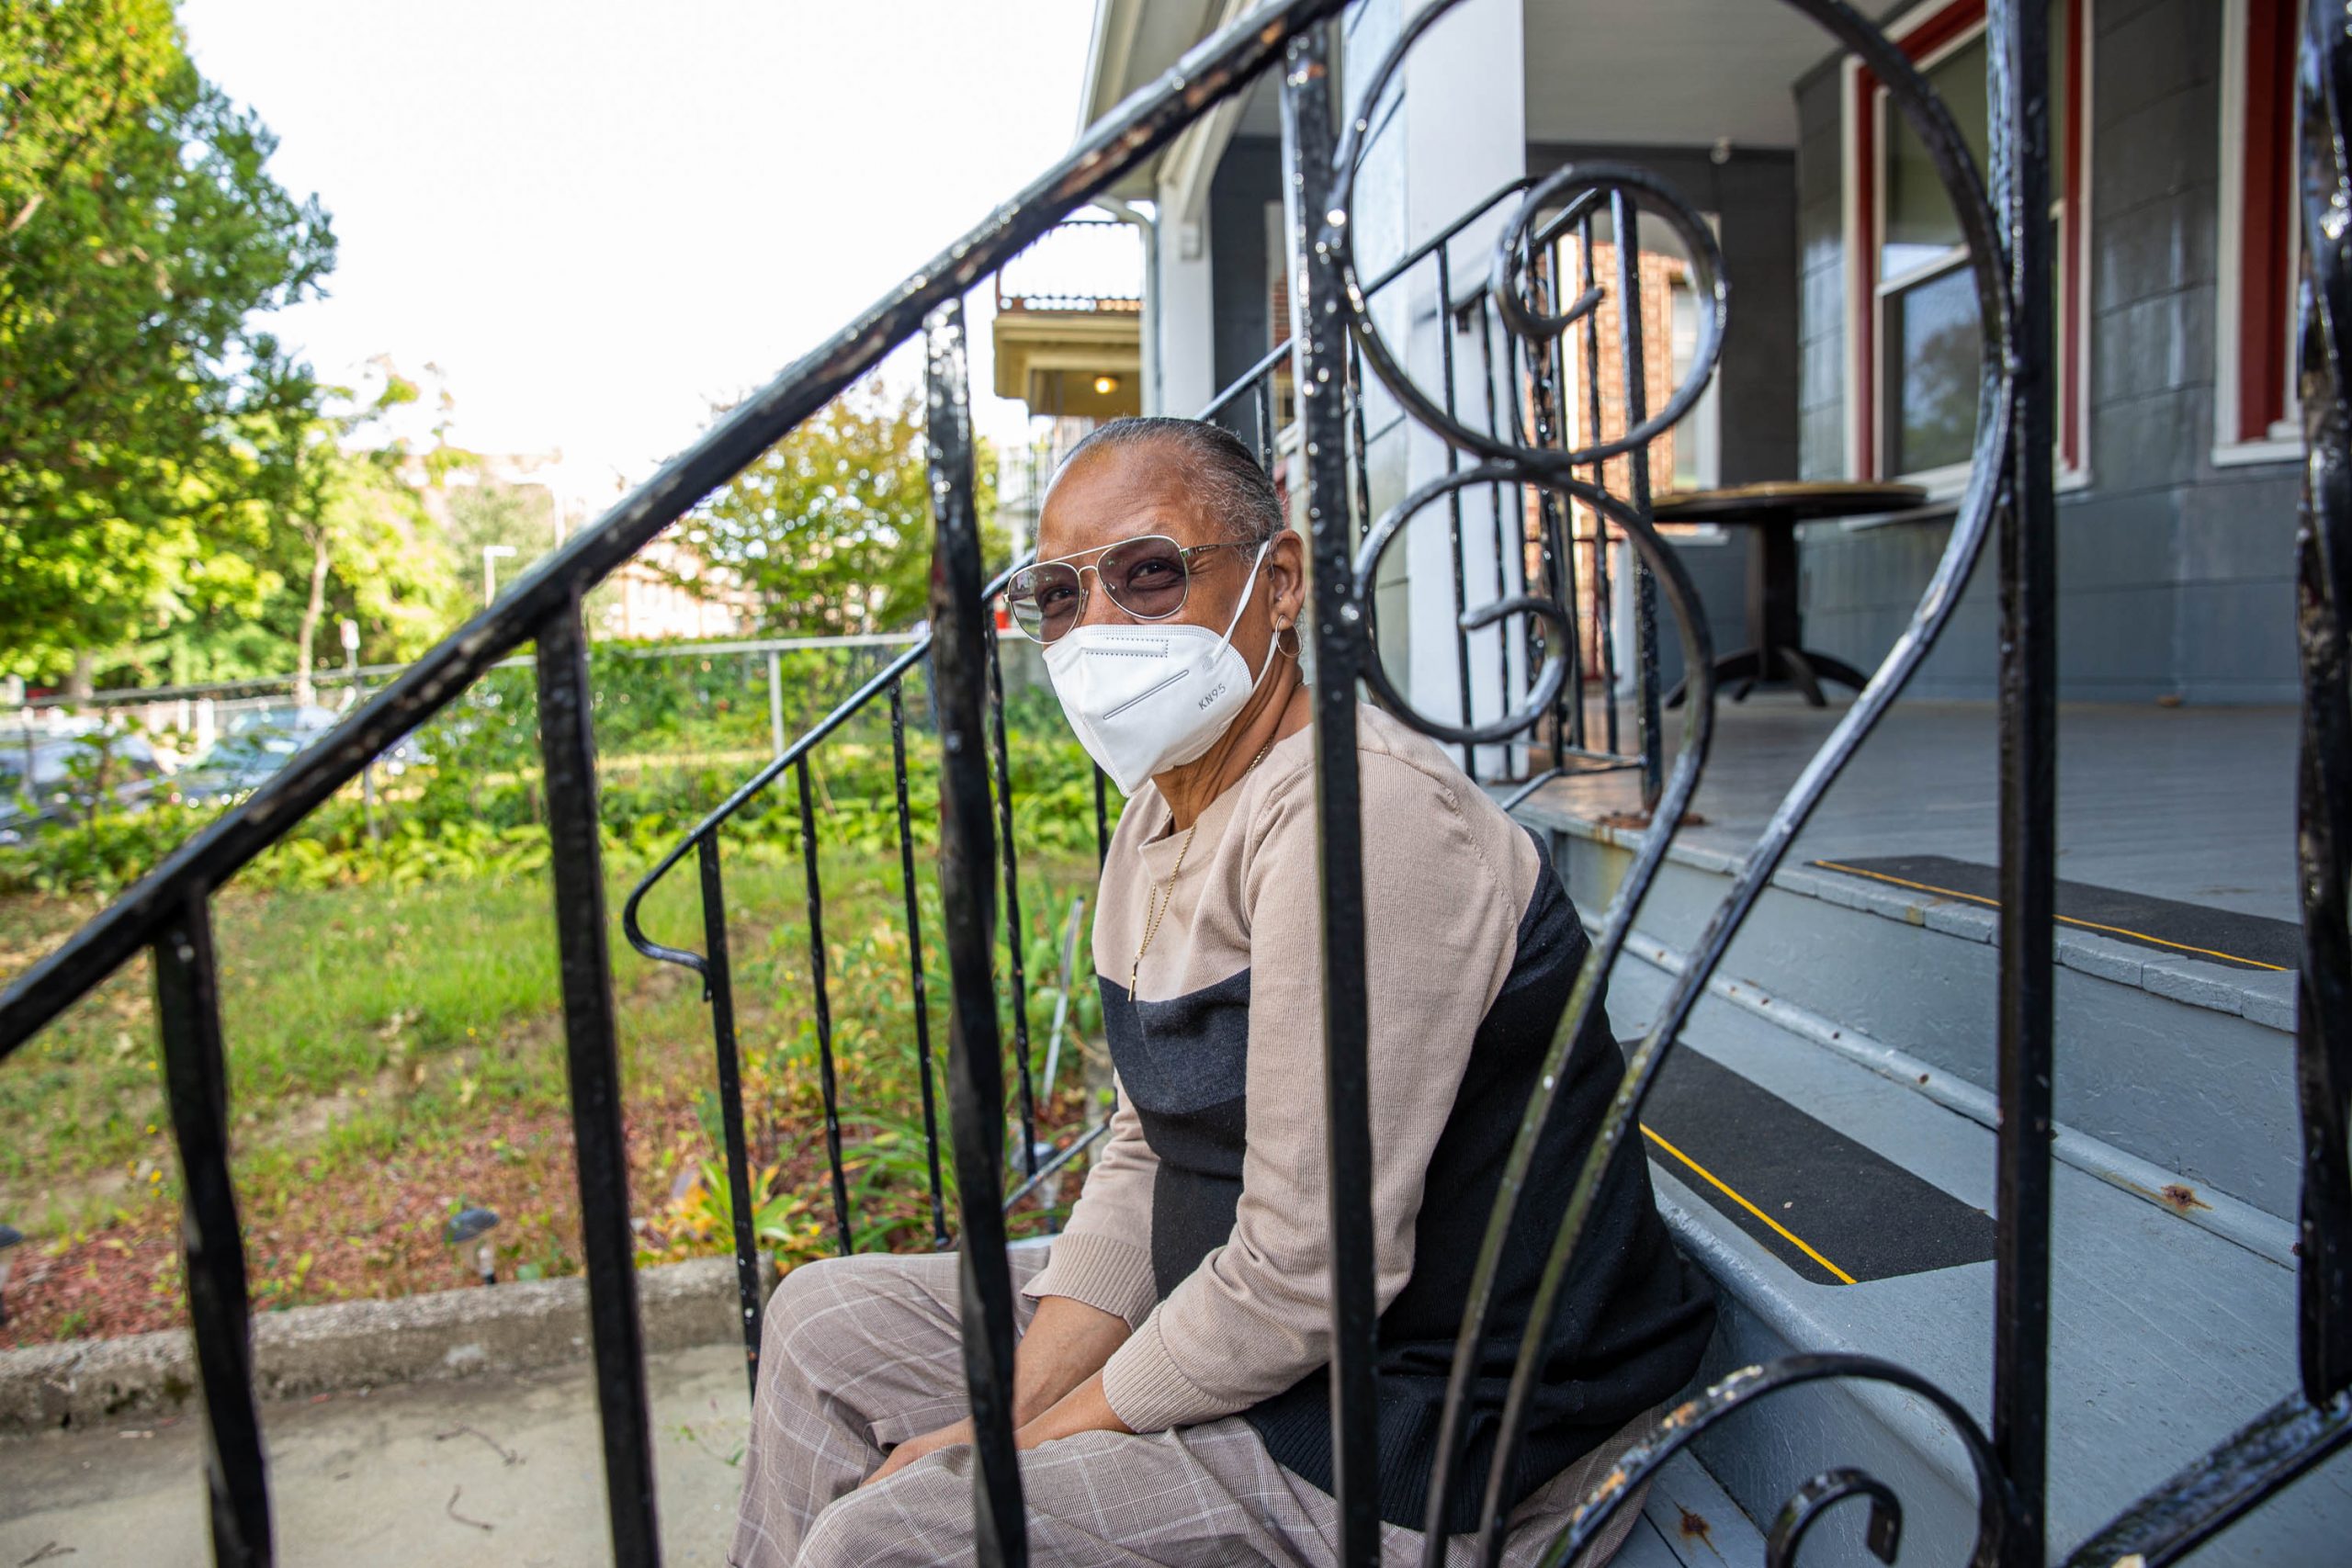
(599, 219)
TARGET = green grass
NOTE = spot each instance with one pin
(387, 1043)
(394, 1032)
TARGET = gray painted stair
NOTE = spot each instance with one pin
(1688, 1521)
(2174, 1073)
(2168, 1334)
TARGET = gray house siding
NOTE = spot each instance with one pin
(2174, 575)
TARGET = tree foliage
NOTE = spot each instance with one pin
(180, 498)
(142, 235)
(830, 529)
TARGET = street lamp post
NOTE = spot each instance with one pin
(351, 700)
(489, 555)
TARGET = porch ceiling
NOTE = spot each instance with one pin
(1666, 72)
(1644, 72)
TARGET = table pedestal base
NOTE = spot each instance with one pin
(1801, 668)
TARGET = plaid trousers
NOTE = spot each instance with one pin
(862, 1353)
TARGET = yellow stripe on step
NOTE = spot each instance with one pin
(1718, 1183)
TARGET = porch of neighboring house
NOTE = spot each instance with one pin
(1067, 339)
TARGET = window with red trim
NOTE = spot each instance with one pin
(2257, 395)
(1916, 335)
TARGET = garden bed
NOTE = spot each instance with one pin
(395, 1055)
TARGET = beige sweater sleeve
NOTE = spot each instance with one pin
(1442, 925)
(1103, 1256)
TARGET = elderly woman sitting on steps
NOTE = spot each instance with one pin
(1171, 1390)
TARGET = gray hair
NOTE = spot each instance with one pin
(1236, 491)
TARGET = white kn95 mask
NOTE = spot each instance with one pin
(1145, 697)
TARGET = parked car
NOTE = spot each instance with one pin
(65, 774)
(241, 760)
(297, 718)
(256, 742)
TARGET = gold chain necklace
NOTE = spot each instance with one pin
(1164, 895)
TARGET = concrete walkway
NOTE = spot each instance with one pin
(502, 1470)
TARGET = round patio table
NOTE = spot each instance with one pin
(1776, 648)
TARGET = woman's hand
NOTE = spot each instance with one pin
(913, 1449)
(1084, 1409)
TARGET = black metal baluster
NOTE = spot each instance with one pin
(1357, 388)
(1013, 928)
(1544, 407)
(567, 746)
(975, 1066)
(213, 1252)
(2324, 804)
(718, 988)
(1517, 532)
(1102, 820)
(1521, 420)
(1265, 401)
(1629, 320)
(2019, 87)
(821, 999)
(939, 1238)
(1453, 514)
(1494, 416)
(1321, 338)
(1569, 584)
(1604, 618)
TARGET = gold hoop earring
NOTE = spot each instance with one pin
(1292, 652)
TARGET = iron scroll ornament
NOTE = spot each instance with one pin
(1579, 187)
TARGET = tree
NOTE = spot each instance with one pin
(352, 524)
(140, 234)
(72, 77)
(831, 527)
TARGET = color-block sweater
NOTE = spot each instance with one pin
(1203, 1221)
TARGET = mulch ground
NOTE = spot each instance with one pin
(343, 1231)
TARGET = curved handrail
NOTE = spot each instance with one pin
(889, 674)
(1147, 122)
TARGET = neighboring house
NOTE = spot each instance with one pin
(1851, 352)
(1068, 337)
(663, 594)
(666, 593)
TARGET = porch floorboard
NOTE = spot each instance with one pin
(2193, 804)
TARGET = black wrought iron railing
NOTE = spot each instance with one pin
(2008, 498)
(1516, 388)
(713, 966)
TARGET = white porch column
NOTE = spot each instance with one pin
(1187, 344)
(1457, 133)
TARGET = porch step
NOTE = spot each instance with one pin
(2166, 1337)
(2174, 1072)
(1690, 1521)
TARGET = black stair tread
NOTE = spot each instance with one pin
(2229, 937)
(1834, 1210)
